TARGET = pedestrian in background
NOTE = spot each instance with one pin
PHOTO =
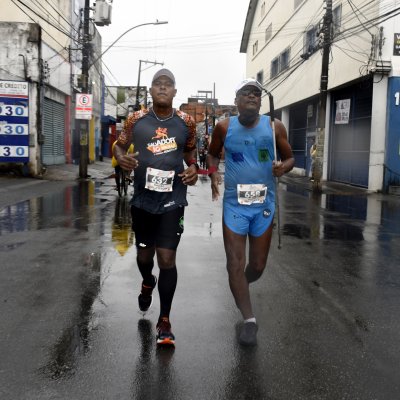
(249, 196)
(163, 138)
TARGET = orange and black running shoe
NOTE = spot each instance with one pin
(164, 335)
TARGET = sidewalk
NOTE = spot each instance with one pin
(70, 172)
(304, 183)
(103, 170)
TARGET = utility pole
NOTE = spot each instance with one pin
(206, 92)
(84, 123)
(137, 105)
(320, 139)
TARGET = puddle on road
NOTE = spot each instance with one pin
(348, 217)
(121, 233)
(77, 207)
(72, 207)
(75, 339)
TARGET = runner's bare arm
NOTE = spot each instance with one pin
(214, 155)
(285, 151)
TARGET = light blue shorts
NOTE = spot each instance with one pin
(243, 220)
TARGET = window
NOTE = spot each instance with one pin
(263, 9)
(255, 47)
(274, 67)
(336, 19)
(297, 3)
(284, 60)
(268, 33)
(260, 76)
(280, 63)
(310, 43)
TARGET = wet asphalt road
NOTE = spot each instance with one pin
(327, 304)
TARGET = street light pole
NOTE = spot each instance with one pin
(137, 105)
(119, 37)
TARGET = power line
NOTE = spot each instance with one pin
(14, 1)
(44, 19)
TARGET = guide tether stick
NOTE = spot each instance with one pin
(272, 115)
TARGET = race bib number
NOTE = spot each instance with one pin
(158, 180)
(251, 194)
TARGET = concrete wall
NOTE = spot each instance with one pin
(19, 55)
(46, 14)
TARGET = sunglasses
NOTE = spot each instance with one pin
(248, 92)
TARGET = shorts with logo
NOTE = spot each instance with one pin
(244, 219)
(159, 230)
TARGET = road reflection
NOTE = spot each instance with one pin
(245, 380)
(353, 218)
(75, 339)
(154, 375)
(121, 231)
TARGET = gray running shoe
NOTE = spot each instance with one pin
(248, 334)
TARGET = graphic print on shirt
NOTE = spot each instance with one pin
(161, 143)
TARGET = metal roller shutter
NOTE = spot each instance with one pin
(350, 143)
(53, 151)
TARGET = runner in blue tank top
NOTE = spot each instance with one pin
(249, 196)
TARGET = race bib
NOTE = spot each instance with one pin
(158, 180)
(251, 194)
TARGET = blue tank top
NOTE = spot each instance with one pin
(249, 153)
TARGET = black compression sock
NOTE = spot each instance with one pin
(166, 287)
(146, 272)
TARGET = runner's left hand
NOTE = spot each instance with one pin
(278, 168)
(189, 175)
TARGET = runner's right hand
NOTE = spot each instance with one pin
(128, 161)
(215, 182)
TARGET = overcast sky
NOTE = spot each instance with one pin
(200, 44)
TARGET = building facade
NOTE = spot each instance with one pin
(41, 46)
(284, 40)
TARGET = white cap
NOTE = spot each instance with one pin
(164, 72)
(249, 82)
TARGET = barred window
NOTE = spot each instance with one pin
(260, 76)
(284, 60)
(268, 33)
(274, 67)
(280, 63)
(263, 9)
(255, 47)
(337, 19)
(311, 41)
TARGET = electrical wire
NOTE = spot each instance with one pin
(44, 19)
(14, 1)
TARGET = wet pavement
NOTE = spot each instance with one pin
(327, 305)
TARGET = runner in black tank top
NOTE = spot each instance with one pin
(163, 139)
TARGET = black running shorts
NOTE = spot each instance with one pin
(159, 230)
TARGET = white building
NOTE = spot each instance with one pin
(282, 40)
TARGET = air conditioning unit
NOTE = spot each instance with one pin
(102, 13)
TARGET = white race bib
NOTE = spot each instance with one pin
(251, 194)
(158, 180)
